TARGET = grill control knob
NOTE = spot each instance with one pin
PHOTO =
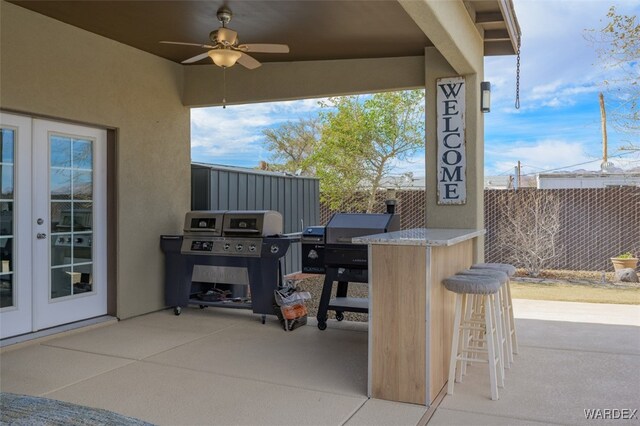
(252, 247)
(239, 247)
(227, 246)
(274, 248)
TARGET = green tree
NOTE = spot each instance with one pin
(292, 143)
(361, 139)
(618, 48)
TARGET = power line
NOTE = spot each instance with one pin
(578, 164)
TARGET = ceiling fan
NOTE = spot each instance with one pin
(225, 50)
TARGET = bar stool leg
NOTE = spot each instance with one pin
(490, 339)
(506, 321)
(498, 322)
(514, 338)
(454, 344)
(468, 301)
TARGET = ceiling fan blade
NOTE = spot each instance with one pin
(204, 46)
(247, 61)
(196, 58)
(264, 48)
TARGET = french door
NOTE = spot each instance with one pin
(53, 204)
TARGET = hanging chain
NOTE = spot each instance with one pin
(518, 76)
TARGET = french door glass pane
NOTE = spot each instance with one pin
(60, 184)
(7, 137)
(61, 282)
(82, 154)
(60, 151)
(7, 141)
(6, 181)
(71, 215)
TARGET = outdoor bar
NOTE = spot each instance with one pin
(410, 312)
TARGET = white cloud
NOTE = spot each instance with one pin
(557, 62)
(233, 135)
(414, 164)
(541, 155)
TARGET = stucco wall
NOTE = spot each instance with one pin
(53, 69)
(281, 81)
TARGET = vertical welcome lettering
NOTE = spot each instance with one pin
(450, 124)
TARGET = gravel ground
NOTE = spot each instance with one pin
(314, 286)
(591, 278)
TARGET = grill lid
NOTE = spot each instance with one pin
(252, 223)
(204, 222)
(344, 226)
(237, 223)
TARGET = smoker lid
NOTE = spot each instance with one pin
(314, 231)
(360, 220)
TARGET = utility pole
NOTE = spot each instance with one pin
(603, 118)
(519, 174)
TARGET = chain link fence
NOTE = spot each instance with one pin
(410, 205)
(594, 224)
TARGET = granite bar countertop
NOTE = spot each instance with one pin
(421, 237)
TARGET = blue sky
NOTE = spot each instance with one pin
(557, 126)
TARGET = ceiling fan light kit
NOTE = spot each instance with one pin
(224, 58)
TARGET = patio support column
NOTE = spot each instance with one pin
(470, 214)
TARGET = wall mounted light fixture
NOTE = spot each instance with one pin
(485, 96)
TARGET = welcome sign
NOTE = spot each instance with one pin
(452, 162)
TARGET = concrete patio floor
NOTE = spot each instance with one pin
(223, 367)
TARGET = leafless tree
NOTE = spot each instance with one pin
(528, 227)
(292, 143)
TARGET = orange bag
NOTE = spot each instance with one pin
(292, 312)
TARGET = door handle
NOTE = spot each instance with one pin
(41, 235)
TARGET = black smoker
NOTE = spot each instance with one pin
(329, 250)
(221, 254)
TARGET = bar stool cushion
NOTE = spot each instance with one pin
(494, 273)
(472, 284)
(504, 267)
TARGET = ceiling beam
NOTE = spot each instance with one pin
(451, 30)
(489, 18)
(496, 35)
(498, 48)
(282, 81)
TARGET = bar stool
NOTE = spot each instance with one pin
(506, 348)
(467, 289)
(510, 270)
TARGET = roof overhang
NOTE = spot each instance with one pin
(314, 29)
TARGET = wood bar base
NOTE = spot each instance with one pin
(411, 316)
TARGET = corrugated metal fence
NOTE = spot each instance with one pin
(230, 188)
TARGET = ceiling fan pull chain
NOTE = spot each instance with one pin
(224, 87)
(518, 77)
